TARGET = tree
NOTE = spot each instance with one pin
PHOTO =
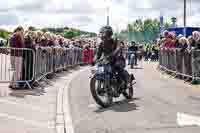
(4, 34)
(140, 30)
(129, 28)
(68, 32)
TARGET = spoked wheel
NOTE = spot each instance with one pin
(128, 93)
(99, 93)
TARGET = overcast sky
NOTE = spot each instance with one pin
(90, 15)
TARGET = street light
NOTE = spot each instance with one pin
(185, 7)
(108, 3)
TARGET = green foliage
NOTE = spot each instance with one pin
(140, 30)
(4, 34)
(68, 32)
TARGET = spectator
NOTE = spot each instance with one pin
(50, 40)
(154, 53)
(177, 40)
(18, 43)
(196, 40)
(39, 37)
(169, 41)
(86, 54)
(28, 56)
(147, 53)
(183, 44)
(190, 42)
(133, 48)
(71, 45)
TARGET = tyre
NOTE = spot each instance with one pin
(96, 96)
(128, 94)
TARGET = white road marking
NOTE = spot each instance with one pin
(31, 122)
(63, 105)
(187, 120)
(68, 120)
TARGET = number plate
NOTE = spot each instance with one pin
(100, 69)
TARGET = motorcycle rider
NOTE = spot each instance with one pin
(109, 47)
(133, 48)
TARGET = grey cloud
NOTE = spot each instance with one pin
(82, 7)
(167, 7)
(38, 6)
(83, 19)
(35, 6)
(26, 7)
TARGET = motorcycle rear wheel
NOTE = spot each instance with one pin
(128, 94)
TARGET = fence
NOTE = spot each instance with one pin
(29, 65)
(181, 62)
(26, 66)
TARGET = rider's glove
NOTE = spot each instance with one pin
(93, 63)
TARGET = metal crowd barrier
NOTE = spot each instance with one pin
(196, 63)
(26, 66)
(181, 62)
(51, 60)
(17, 66)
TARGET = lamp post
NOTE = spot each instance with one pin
(185, 17)
(108, 11)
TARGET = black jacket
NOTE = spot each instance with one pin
(111, 49)
(133, 48)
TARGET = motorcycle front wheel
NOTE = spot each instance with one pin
(106, 99)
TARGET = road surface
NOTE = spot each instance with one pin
(161, 104)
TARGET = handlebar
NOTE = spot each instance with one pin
(104, 60)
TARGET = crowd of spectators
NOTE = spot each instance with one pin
(45, 39)
(30, 39)
(171, 40)
(185, 62)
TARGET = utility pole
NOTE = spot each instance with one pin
(108, 11)
(185, 17)
(108, 17)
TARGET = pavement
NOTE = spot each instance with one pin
(161, 104)
(35, 111)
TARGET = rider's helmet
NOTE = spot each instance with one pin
(106, 32)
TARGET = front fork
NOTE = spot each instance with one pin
(108, 87)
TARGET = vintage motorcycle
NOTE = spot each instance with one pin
(104, 83)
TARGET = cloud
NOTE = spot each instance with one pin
(83, 19)
(91, 15)
(32, 6)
